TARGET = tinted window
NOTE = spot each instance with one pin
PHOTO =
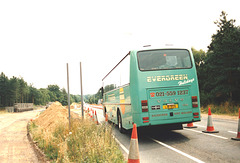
(164, 59)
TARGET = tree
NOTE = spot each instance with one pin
(44, 96)
(223, 61)
(23, 90)
(64, 99)
(33, 94)
(13, 90)
(16, 90)
(199, 57)
(3, 89)
(55, 92)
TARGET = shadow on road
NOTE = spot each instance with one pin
(163, 135)
(157, 133)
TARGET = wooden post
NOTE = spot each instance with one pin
(81, 89)
(69, 115)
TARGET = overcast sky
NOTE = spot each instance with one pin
(38, 38)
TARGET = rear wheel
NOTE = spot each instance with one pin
(120, 128)
(104, 111)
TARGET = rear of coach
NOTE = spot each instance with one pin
(164, 87)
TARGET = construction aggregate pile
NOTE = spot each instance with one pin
(53, 115)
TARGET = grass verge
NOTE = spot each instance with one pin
(2, 110)
(86, 142)
(226, 108)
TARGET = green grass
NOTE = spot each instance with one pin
(86, 142)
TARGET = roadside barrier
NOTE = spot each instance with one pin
(210, 128)
(238, 134)
(190, 125)
(133, 156)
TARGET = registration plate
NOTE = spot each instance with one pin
(170, 106)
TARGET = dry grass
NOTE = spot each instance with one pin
(2, 111)
(225, 108)
(87, 142)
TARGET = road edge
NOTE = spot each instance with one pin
(38, 152)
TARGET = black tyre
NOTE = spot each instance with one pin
(104, 111)
(120, 128)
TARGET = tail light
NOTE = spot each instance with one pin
(194, 102)
(144, 105)
(196, 115)
(145, 119)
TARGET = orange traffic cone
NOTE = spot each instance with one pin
(210, 128)
(92, 115)
(106, 119)
(238, 134)
(95, 118)
(133, 156)
(190, 125)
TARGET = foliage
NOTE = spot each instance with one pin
(3, 89)
(16, 90)
(222, 62)
(87, 142)
(219, 69)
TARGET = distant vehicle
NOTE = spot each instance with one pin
(151, 87)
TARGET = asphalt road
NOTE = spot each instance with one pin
(187, 145)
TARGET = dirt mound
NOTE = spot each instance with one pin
(53, 115)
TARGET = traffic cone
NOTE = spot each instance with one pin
(238, 134)
(93, 115)
(95, 118)
(190, 125)
(106, 119)
(133, 156)
(210, 128)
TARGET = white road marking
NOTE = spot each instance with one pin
(178, 151)
(200, 126)
(232, 132)
(165, 145)
(206, 133)
(122, 146)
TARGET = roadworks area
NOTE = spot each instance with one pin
(83, 142)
